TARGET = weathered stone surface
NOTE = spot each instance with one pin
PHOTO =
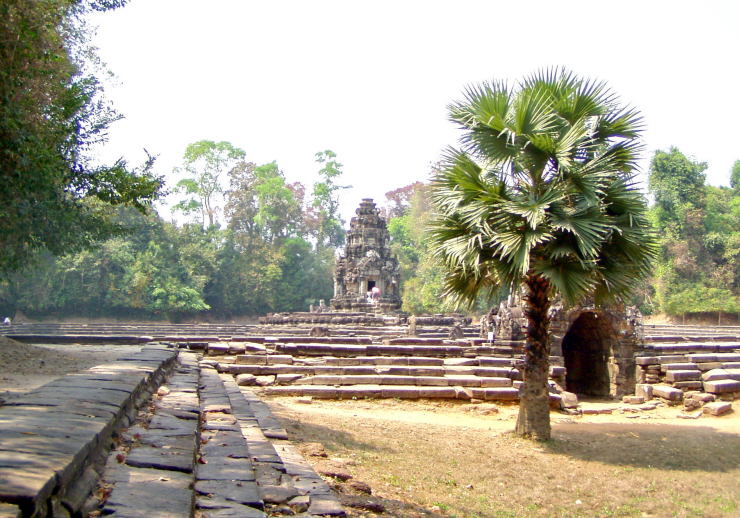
(149, 493)
(722, 386)
(277, 494)
(682, 375)
(216, 507)
(225, 469)
(246, 379)
(644, 390)
(717, 408)
(633, 400)
(666, 392)
(161, 458)
(326, 505)
(242, 492)
(721, 374)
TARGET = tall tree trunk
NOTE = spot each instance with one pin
(534, 404)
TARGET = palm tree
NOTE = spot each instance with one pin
(541, 194)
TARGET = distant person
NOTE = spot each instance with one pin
(6, 321)
(375, 294)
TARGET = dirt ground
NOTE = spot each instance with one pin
(460, 459)
(24, 367)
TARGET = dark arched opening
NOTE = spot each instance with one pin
(586, 349)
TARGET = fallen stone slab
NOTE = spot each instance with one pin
(717, 408)
(9, 511)
(666, 392)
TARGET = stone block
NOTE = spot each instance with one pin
(666, 392)
(722, 386)
(568, 400)
(495, 382)
(702, 358)
(501, 394)
(437, 392)
(647, 360)
(688, 385)
(717, 408)
(633, 400)
(246, 379)
(427, 381)
(682, 375)
(684, 366)
(400, 392)
(281, 359)
(252, 359)
(557, 371)
(707, 366)
(644, 390)
(721, 374)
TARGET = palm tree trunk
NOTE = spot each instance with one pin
(534, 404)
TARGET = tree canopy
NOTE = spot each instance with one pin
(53, 195)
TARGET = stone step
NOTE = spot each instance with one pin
(397, 391)
(722, 386)
(439, 351)
(451, 380)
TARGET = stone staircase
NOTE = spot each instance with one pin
(389, 370)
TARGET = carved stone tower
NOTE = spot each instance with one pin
(367, 266)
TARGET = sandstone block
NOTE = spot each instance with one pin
(683, 366)
(682, 375)
(720, 374)
(568, 400)
(666, 392)
(647, 360)
(246, 379)
(645, 391)
(688, 385)
(633, 400)
(717, 408)
(722, 386)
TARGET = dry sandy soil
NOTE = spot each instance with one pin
(460, 459)
(24, 367)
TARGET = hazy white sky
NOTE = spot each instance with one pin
(371, 80)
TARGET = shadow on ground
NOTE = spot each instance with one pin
(670, 447)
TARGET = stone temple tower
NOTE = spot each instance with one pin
(367, 263)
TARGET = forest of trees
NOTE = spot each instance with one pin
(265, 245)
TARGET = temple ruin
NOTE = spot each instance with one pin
(596, 345)
(367, 266)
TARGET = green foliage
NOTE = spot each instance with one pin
(204, 163)
(53, 196)
(698, 270)
(326, 225)
(542, 187)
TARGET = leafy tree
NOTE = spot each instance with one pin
(698, 270)
(541, 194)
(735, 176)
(328, 226)
(204, 162)
(52, 114)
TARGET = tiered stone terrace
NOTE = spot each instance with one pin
(207, 443)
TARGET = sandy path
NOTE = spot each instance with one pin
(24, 367)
